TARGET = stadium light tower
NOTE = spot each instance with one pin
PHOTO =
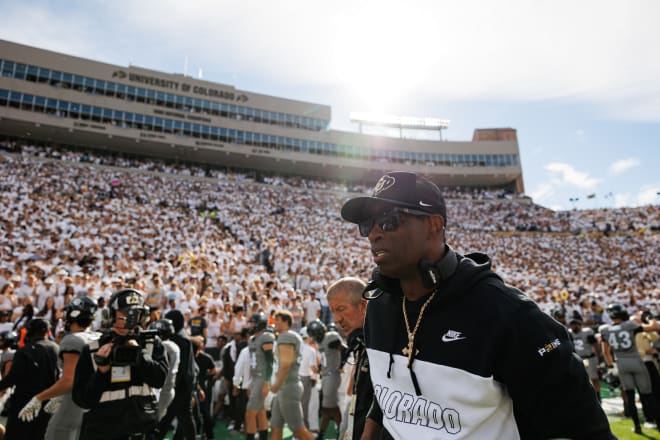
(400, 122)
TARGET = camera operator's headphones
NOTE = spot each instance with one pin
(131, 302)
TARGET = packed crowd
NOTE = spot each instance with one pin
(74, 223)
(221, 246)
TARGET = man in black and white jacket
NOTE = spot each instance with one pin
(453, 351)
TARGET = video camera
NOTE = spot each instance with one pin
(124, 354)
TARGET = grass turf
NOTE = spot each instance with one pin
(623, 429)
(221, 432)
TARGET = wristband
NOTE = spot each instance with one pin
(101, 361)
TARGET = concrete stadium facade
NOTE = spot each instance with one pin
(52, 97)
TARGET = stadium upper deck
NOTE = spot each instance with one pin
(48, 96)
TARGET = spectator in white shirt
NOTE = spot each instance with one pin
(312, 308)
(308, 372)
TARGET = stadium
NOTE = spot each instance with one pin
(63, 99)
(205, 195)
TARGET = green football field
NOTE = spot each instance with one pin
(221, 432)
(622, 428)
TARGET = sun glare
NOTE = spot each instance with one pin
(382, 53)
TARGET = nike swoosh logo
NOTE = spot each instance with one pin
(446, 338)
(424, 204)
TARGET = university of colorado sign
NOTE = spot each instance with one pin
(179, 86)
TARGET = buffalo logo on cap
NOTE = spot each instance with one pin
(386, 182)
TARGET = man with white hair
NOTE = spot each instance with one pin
(349, 309)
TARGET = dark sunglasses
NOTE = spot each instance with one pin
(388, 221)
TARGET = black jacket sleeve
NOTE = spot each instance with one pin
(152, 368)
(542, 373)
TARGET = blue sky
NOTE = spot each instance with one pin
(580, 81)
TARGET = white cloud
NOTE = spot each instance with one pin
(623, 165)
(566, 174)
(47, 31)
(648, 194)
(511, 49)
(622, 200)
(543, 192)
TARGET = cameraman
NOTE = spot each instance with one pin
(114, 377)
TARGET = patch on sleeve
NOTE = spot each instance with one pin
(547, 348)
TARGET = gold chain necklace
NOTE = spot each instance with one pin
(408, 349)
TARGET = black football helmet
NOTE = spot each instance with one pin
(332, 327)
(617, 311)
(80, 311)
(257, 322)
(316, 330)
(558, 313)
(164, 327)
(575, 321)
(130, 302)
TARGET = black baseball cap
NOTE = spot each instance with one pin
(397, 189)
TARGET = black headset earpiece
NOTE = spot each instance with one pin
(433, 272)
(430, 273)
